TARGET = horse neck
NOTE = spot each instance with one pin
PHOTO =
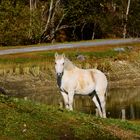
(69, 66)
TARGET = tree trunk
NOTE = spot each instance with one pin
(33, 5)
(51, 27)
(82, 30)
(49, 16)
(30, 30)
(126, 20)
(132, 111)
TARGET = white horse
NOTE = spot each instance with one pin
(73, 80)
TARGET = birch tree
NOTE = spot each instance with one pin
(126, 20)
(33, 5)
(54, 20)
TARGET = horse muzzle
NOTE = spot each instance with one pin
(60, 74)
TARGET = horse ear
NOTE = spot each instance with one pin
(63, 55)
(56, 55)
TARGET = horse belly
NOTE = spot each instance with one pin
(86, 90)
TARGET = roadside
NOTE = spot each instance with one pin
(70, 45)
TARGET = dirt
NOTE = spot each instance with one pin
(124, 74)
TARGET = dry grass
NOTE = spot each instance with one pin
(121, 134)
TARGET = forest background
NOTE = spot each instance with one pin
(36, 21)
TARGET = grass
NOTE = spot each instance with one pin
(91, 53)
(20, 119)
(95, 57)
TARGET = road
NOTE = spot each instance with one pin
(93, 43)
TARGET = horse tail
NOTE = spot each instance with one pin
(2, 91)
(106, 95)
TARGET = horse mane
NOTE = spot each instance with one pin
(68, 64)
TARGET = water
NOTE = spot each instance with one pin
(128, 99)
(117, 100)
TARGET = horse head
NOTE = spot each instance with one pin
(59, 64)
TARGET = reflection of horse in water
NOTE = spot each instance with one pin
(73, 80)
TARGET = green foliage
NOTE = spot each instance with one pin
(12, 20)
(108, 17)
(15, 23)
(81, 18)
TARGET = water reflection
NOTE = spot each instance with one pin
(128, 99)
(118, 99)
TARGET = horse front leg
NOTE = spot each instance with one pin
(70, 99)
(66, 101)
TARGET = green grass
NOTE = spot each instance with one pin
(47, 56)
(100, 52)
(103, 54)
(27, 120)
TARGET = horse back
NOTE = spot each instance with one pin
(92, 78)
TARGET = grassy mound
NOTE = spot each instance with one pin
(27, 120)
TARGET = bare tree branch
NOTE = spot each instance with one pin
(49, 16)
(60, 21)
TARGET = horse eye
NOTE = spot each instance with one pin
(63, 63)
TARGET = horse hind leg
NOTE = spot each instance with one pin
(99, 101)
(103, 105)
(98, 106)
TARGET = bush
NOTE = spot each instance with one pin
(15, 25)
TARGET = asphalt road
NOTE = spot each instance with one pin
(93, 43)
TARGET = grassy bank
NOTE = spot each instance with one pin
(27, 120)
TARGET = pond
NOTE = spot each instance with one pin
(124, 99)
(119, 101)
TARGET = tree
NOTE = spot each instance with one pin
(33, 21)
(126, 20)
(133, 25)
(54, 20)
